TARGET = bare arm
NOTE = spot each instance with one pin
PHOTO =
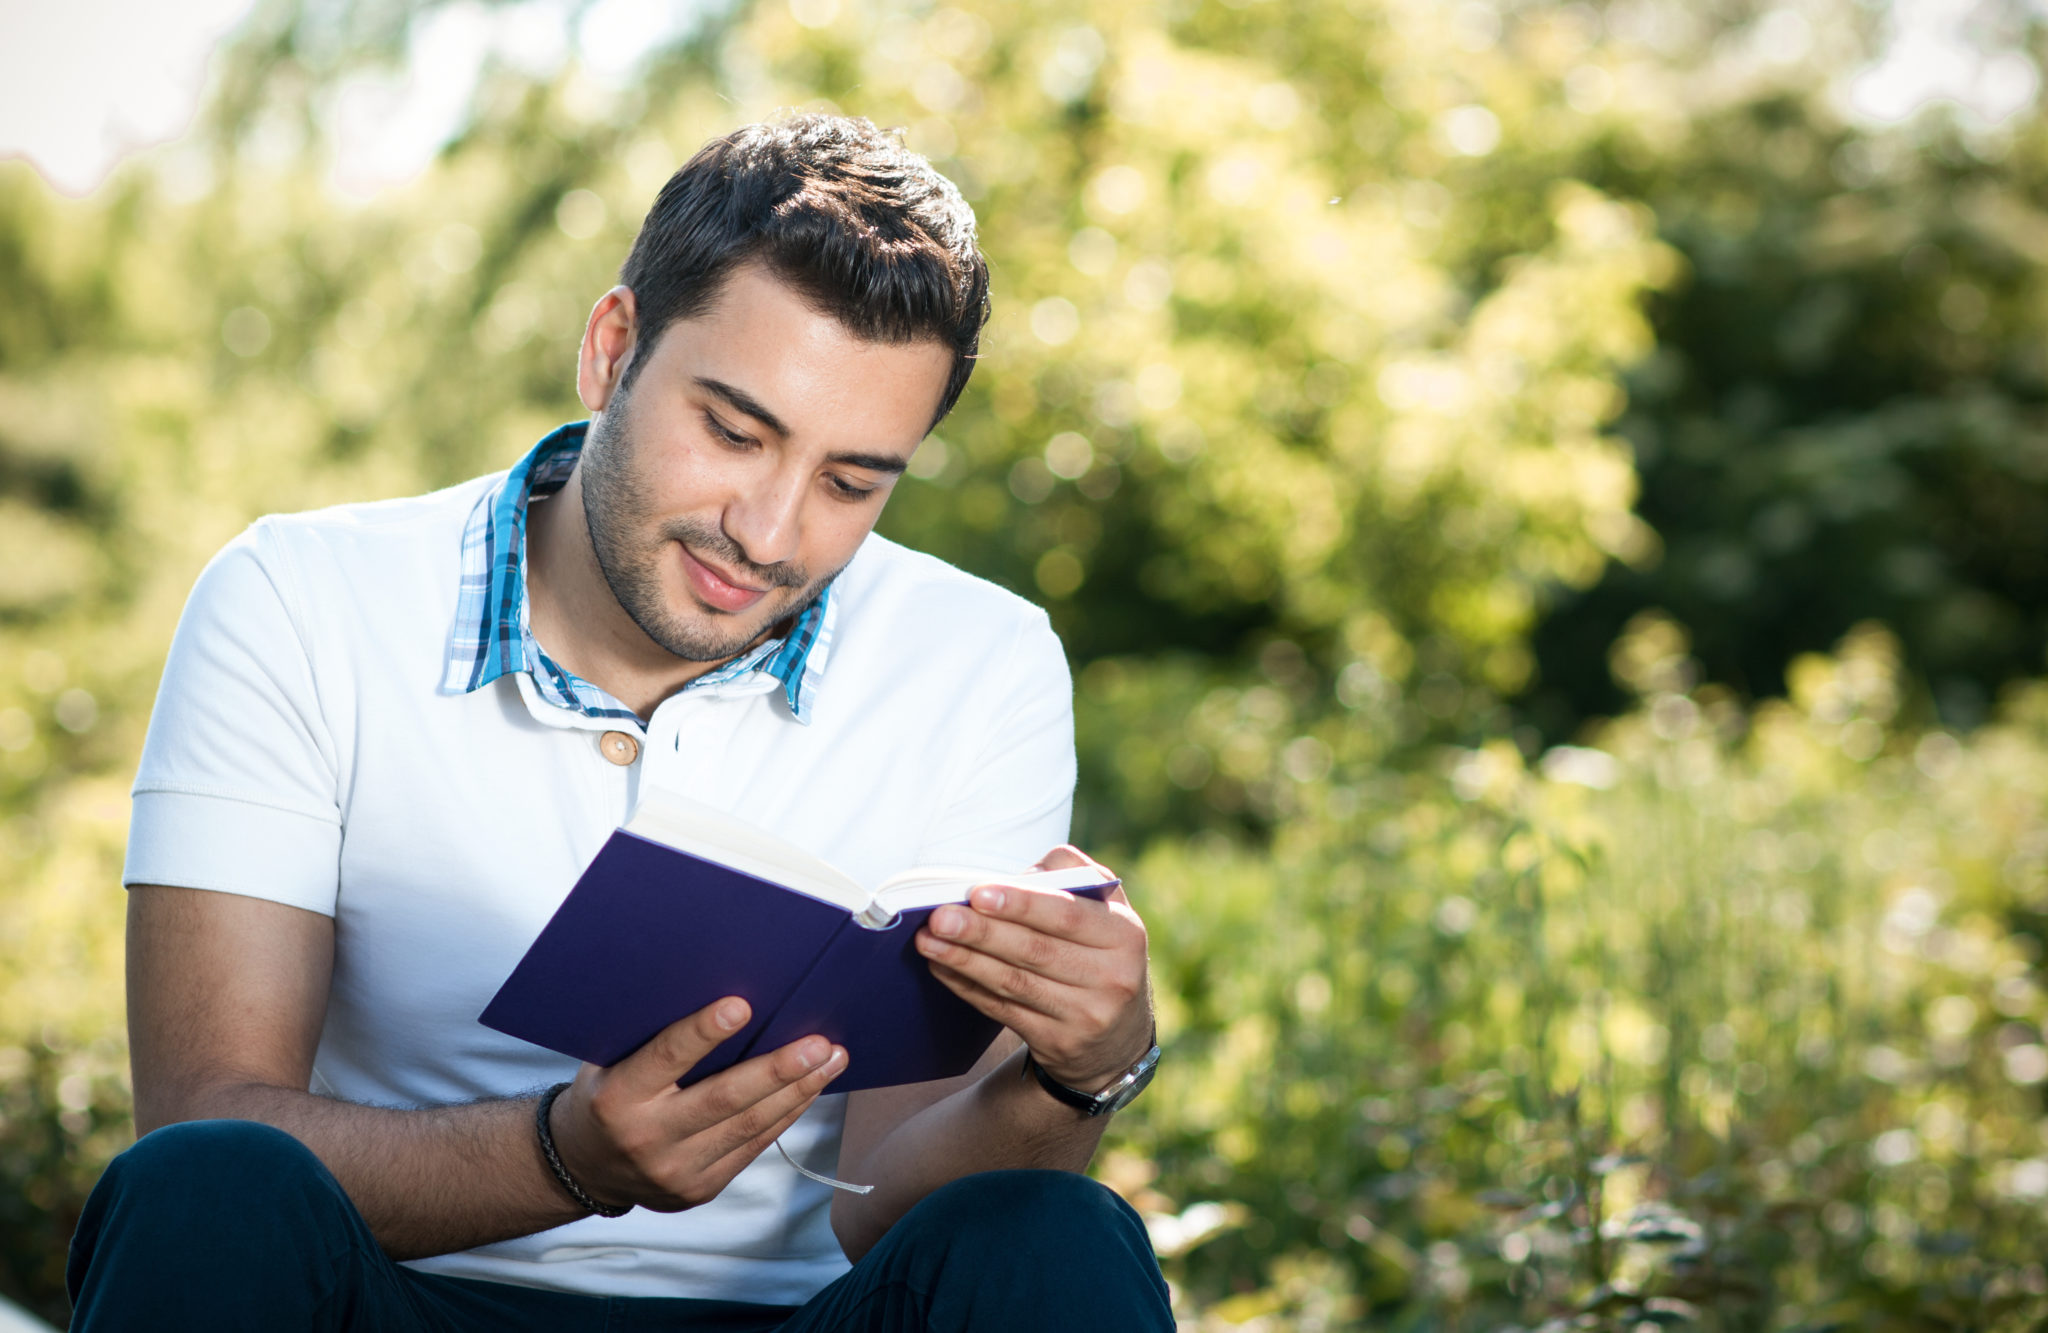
(907, 1141)
(1065, 975)
(226, 997)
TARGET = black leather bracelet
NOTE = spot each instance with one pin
(547, 1150)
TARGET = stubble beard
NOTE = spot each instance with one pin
(630, 545)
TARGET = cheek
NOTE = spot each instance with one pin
(680, 475)
(833, 531)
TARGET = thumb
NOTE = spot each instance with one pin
(1069, 857)
(675, 1050)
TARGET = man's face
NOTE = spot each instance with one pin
(747, 462)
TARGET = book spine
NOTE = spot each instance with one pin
(875, 917)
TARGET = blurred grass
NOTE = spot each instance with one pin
(1744, 1035)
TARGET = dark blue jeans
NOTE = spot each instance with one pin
(226, 1225)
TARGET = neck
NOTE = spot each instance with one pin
(576, 618)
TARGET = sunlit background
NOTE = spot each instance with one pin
(84, 85)
(1547, 504)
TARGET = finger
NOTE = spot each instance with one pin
(1058, 979)
(1009, 1013)
(714, 1142)
(735, 1091)
(1008, 994)
(738, 1159)
(676, 1049)
(1035, 951)
(695, 1169)
(1053, 912)
(1057, 1045)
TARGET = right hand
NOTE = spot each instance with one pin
(628, 1134)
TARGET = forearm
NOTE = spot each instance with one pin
(1000, 1121)
(427, 1181)
(226, 997)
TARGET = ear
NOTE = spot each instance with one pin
(608, 342)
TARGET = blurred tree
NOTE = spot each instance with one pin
(1846, 412)
(1846, 417)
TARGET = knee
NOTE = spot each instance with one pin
(1052, 1243)
(193, 1210)
(210, 1167)
(209, 1149)
(1012, 1209)
(207, 1146)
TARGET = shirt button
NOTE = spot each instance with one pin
(618, 747)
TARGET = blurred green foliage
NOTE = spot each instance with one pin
(1724, 1024)
(1370, 386)
(1845, 416)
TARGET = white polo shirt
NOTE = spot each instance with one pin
(300, 751)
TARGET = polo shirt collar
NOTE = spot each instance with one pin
(491, 635)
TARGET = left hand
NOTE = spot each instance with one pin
(1066, 974)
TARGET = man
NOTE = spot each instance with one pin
(390, 735)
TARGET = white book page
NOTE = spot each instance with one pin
(930, 886)
(689, 826)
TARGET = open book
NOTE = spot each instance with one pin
(685, 905)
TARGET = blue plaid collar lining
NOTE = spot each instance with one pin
(491, 636)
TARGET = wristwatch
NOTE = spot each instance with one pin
(1119, 1094)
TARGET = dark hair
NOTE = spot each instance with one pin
(843, 212)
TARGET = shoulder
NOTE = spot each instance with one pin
(404, 531)
(387, 567)
(919, 595)
(916, 628)
(390, 552)
(926, 588)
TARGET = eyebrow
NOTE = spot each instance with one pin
(872, 462)
(745, 402)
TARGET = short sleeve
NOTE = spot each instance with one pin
(1013, 800)
(237, 787)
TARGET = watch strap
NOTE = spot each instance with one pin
(1119, 1094)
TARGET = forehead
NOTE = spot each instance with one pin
(820, 380)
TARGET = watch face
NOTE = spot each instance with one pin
(1127, 1094)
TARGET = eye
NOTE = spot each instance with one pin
(725, 434)
(846, 490)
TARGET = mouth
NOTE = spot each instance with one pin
(714, 589)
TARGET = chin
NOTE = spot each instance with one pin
(706, 634)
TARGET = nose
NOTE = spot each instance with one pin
(766, 516)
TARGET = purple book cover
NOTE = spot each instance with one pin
(651, 934)
(874, 993)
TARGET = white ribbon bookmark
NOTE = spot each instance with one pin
(803, 1170)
